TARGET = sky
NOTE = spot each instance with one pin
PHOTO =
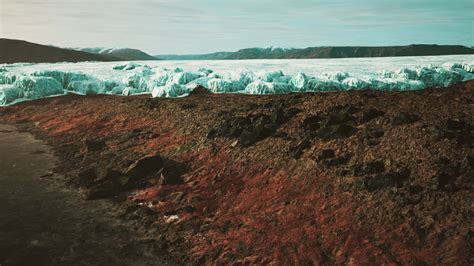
(202, 26)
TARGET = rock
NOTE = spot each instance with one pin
(94, 144)
(187, 106)
(95, 175)
(110, 185)
(456, 124)
(371, 114)
(415, 189)
(338, 118)
(251, 128)
(289, 113)
(87, 177)
(372, 136)
(384, 180)
(265, 125)
(337, 161)
(102, 191)
(342, 172)
(234, 143)
(379, 182)
(326, 154)
(171, 173)
(103, 182)
(401, 174)
(297, 150)
(247, 138)
(436, 133)
(336, 132)
(152, 104)
(312, 123)
(404, 118)
(199, 90)
(349, 109)
(370, 168)
(145, 167)
(465, 139)
(468, 161)
(233, 127)
(178, 197)
(447, 173)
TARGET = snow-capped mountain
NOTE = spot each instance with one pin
(329, 52)
(127, 54)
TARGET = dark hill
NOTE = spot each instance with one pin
(17, 51)
(329, 52)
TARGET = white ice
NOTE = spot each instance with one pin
(20, 82)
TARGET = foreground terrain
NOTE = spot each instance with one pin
(329, 178)
(42, 222)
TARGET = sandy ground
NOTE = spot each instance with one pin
(44, 223)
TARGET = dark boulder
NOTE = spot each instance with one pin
(436, 133)
(247, 138)
(348, 109)
(326, 154)
(384, 180)
(87, 177)
(456, 125)
(312, 123)
(404, 118)
(105, 182)
(103, 190)
(369, 168)
(337, 161)
(151, 104)
(372, 136)
(338, 118)
(298, 148)
(468, 161)
(145, 167)
(371, 114)
(187, 106)
(172, 173)
(336, 132)
(94, 144)
(233, 127)
(289, 113)
(446, 174)
(199, 90)
(251, 128)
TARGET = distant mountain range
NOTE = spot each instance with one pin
(18, 51)
(14, 51)
(127, 54)
(328, 52)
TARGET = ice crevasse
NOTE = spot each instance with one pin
(132, 78)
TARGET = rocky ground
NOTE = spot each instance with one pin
(330, 178)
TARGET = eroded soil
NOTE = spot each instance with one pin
(327, 178)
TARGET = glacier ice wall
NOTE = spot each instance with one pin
(134, 78)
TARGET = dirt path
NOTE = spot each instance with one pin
(44, 223)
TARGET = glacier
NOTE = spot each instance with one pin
(21, 82)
